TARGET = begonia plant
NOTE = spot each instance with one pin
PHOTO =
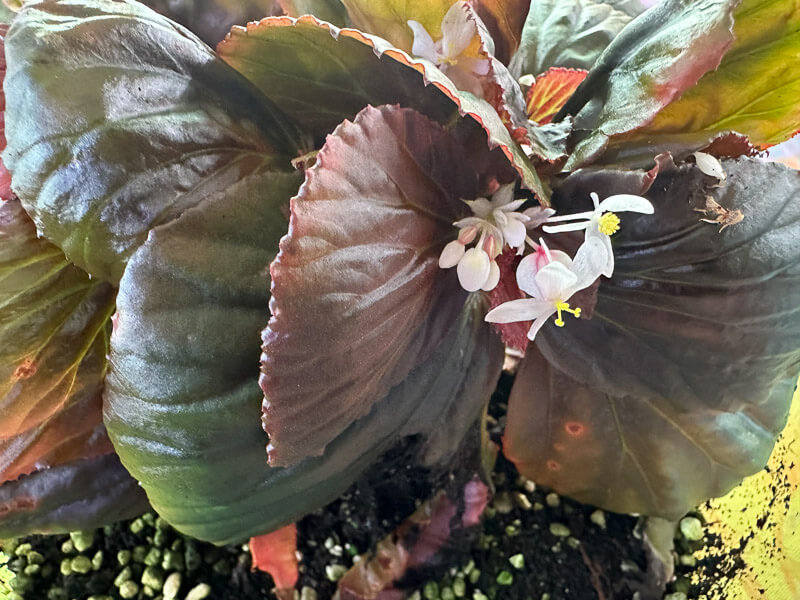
(233, 277)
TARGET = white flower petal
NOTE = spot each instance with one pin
(480, 207)
(608, 270)
(553, 280)
(581, 215)
(515, 233)
(451, 254)
(566, 227)
(500, 218)
(468, 221)
(479, 66)
(627, 202)
(589, 262)
(526, 275)
(457, 31)
(608, 252)
(537, 215)
(423, 46)
(519, 310)
(537, 325)
(493, 279)
(709, 165)
(473, 269)
(512, 206)
(562, 257)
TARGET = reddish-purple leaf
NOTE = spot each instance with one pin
(358, 297)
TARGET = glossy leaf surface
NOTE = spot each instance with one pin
(358, 278)
(108, 138)
(208, 475)
(681, 381)
(203, 278)
(632, 7)
(648, 65)
(84, 494)
(320, 75)
(565, 33)
(766, 109)
(54, 328)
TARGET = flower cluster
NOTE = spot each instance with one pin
(495, 223)
(549, 277)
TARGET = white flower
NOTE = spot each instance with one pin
(499, 216)
(458, 32)
(602, 222)
(497, 224)
(550, 277)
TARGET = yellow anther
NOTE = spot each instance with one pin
(564, 307)
(608, 224)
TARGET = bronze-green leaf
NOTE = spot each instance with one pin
(183, 401)
(766, 108)
(657, 57)
(565, 33)
(211, 20)
(679, 384)
(118, 119)
(83, 494)
(54, 330)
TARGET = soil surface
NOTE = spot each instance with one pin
(532, 544)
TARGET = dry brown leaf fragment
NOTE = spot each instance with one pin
(718, 214)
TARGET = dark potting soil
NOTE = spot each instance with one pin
(532, 544)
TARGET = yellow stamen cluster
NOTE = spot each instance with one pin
(564, 307)
(608, 224)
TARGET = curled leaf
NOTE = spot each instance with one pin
(185, 350)
(300, 65)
